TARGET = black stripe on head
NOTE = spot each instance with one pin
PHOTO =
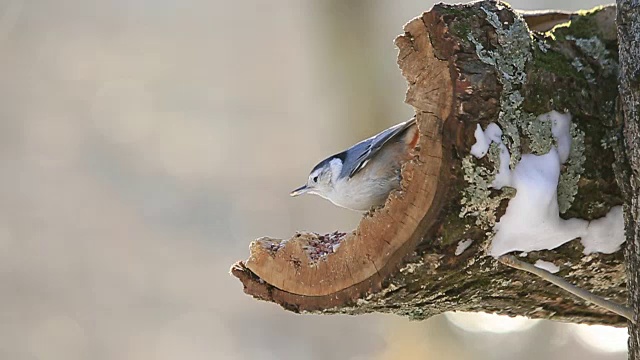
(342, 156)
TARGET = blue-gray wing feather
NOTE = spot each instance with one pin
(365, 150)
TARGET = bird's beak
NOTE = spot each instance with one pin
(299, 191)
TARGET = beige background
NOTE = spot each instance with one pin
(144, 144)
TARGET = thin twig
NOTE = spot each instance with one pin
(621, 310)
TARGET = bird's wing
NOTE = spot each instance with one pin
(372, 145)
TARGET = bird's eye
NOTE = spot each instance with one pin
(315, 178)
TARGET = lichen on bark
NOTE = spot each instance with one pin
(519, 54)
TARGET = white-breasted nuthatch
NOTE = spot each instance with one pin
(363, 175)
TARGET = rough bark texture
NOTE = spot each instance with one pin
(468, 65)
(628, 169)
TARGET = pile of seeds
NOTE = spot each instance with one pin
(317, 246)
(320, 246)
(274, 246)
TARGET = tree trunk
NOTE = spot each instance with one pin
(628, 166)
(470, 65)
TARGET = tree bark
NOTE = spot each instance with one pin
(628, 166)
(468, 65)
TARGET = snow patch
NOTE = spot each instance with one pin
(462, 246)
(480, 148)
(492, 133)
(532, 221)
(606, 234)
(547, 265)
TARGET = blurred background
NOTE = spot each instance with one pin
(144, 144)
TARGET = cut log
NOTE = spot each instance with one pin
(470, 65)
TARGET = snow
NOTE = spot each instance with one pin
(480, 148)
(547, 265)
(504, 172)
(462, 246)
(493, 133)
(605, 235)
(484, 139)
(532, 221)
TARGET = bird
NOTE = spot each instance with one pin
(362, 176)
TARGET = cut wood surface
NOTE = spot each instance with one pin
(464, 65)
